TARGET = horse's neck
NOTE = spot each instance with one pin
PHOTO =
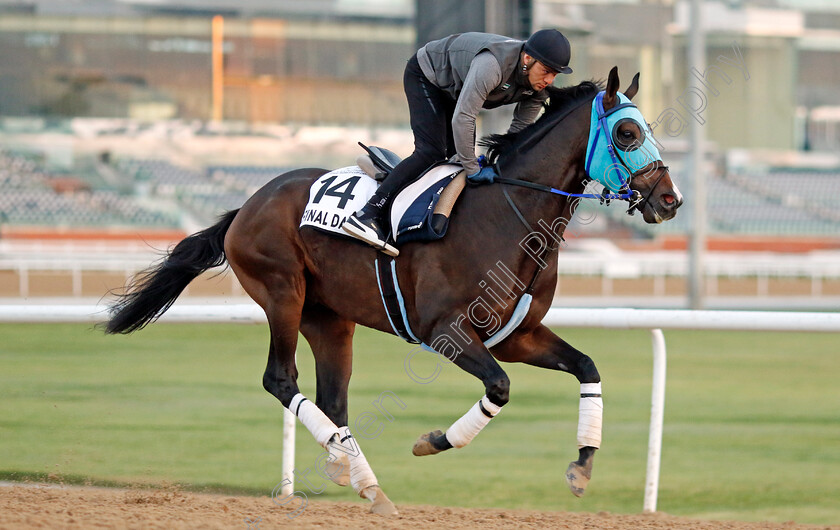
(556, 161)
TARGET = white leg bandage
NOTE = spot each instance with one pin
(590, 416)
(313, 419)
(464, 430)
(361, 475)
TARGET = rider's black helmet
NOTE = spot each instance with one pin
(551, 48)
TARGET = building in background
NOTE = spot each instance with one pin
(336, 62)
(435, 19)
(340, 62)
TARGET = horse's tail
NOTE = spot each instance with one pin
(154, 290)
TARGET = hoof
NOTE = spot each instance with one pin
(382, 505)
(423, 446)
(580, 471)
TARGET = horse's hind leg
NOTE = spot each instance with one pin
(278, 284)
(331, 339)
(540, 347)
(280, 379)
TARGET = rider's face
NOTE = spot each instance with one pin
(539, 75)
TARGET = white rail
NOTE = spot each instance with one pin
(653, 319)
(248, 313)
(597, 259)
(658, 319)
(619, 318)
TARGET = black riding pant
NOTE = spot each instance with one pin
(430, 110)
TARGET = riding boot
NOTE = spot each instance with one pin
(366, 224)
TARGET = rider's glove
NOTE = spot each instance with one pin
(483, 176)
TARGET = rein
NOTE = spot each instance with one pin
(605, 196)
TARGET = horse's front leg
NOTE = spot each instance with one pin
(540, 347)
(476, 360)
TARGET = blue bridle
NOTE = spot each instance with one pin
(604, 164)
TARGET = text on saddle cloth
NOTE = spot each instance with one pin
(417, 213)
(335, 196)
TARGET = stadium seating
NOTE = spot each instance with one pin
(28, 199)
(775, 202)
(245, 178)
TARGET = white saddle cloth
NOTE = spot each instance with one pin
(342, 192)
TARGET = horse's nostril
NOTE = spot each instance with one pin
(669, 199)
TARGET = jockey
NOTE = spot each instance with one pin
(447, 82)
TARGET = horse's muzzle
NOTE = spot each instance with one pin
(662, 206)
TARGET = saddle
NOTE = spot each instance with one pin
(419, 212)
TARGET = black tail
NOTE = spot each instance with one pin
(154, 290)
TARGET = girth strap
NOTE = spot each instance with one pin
(392, 298)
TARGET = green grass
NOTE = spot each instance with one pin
(752, 421)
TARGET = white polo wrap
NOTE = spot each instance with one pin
(590, 415)
(321, 427)
(470, 424)
(361, 474)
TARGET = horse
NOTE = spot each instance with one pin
(323, 286)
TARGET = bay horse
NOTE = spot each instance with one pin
(322, 285)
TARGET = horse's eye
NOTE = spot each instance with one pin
(628, 135)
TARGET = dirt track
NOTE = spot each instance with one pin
(32, 506)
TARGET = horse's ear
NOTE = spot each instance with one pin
(633, 88)
(610, 98)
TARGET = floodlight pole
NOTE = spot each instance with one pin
(218, 65)
(697, 61)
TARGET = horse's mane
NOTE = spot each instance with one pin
(559, 100)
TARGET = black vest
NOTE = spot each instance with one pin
(449, 60)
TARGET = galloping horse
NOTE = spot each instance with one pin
(323, 286)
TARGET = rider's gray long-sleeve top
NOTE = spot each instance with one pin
(479, 70)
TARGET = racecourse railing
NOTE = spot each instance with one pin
(653, 319)
(817, 272)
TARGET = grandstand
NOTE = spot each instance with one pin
(33, 196)
(206, 192)
(777, 202)
(245, 178)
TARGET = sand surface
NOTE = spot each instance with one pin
(49, 506)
